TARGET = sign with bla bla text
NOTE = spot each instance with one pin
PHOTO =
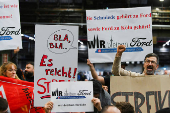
(56, 58)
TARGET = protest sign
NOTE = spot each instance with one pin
(72, 96)
(19, 95)
(147, 94)
(106, 29)
(10, 30)
(56, 58)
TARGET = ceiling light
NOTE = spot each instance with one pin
(163, 49)
(155, 13)
(157, 9)
(81, 43)
(82, 46)
(31, 38)
(161, 0)
(167, 43)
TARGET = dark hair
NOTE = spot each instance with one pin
(97, 89)
(3, 104)
(106, 107)
(152, 55)
(125, 107)
(97, 86)
(32, 63)
(105, 73)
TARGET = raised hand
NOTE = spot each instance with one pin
(16, 50)
(120, 50)
(89, 63)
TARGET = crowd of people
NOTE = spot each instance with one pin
(101, 85)
(11, 70)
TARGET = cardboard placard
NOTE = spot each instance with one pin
(147, 93)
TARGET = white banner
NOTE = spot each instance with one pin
(10, 30)
(72, 96)
(106, 29)
(56, 58)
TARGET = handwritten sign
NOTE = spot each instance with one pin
(56, 58)
(10, 30)
(106, 29)
(72, 96)
(147, 94)
(63, 43)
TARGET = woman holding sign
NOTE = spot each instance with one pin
(9, 70)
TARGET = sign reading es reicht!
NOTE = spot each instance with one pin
(56, 58)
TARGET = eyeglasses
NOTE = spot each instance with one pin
(152, 62)
(12, 70)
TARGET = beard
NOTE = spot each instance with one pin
(28, 74)
(150, 72)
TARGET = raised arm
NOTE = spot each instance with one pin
(14, 57)
(117, 61)
(116, 68)
(94, 73)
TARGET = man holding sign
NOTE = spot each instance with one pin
(151, 63)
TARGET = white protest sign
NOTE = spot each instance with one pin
(10, 30)
(106, 29)
(56, 58)
(72, 96)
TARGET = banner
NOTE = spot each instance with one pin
(106, 29)
(72, 96)
(10, 30)
(56, 58)
(19, 95)
(147, 94)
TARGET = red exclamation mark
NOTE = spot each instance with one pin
(75, 70)
(69, 72)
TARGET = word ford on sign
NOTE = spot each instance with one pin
(137, 42)
(8, 31)
(83, 92)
